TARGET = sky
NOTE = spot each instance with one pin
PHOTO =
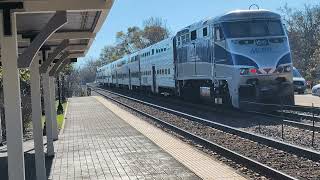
(177, 13)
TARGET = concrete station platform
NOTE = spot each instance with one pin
(103, 141)
(307, 100)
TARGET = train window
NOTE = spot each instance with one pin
(166, 71)
(152, 51)
(169, 71)
(179, 40)
(187, 37)
(218, 34)
(157, 71)
(205, 31)
(183, 39)
(162, 71)
(193, 35)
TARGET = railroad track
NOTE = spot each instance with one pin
(266, 124)
(274, 158)
(294, 113)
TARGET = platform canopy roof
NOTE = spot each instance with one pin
(84, 20)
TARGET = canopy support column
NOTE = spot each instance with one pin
(47, 105)
(63, 64)
(12, 98)
(53, 109)
(54, 24)
(61, 47)
(36, 120)
(53, 70)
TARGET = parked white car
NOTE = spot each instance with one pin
(316, 90)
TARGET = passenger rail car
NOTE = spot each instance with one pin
(241, 56)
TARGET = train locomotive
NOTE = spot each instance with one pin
(239, 57)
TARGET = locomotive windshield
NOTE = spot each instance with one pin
(256, 28)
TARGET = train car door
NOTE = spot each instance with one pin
(117, 81)
(130, 80)
(139, 70)
(154, 79)
(193, 57)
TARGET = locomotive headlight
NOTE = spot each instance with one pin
(244, 71)
(280, 69)
(287, 68)
(247, 71)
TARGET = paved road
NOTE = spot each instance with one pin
(307, 100)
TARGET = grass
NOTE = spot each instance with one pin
(60, 117)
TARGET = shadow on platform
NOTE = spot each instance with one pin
(30, 169)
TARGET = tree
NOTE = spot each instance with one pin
(155, 30)
(303, 30)
(111, 53)
(134, 39)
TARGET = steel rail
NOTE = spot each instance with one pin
(210, 145)
(282, 119)
(288, 121)
(288, 107)
(294, 149)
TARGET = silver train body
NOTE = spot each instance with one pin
(242, 56)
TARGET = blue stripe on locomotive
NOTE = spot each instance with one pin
(222, 56)
(285, 59)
